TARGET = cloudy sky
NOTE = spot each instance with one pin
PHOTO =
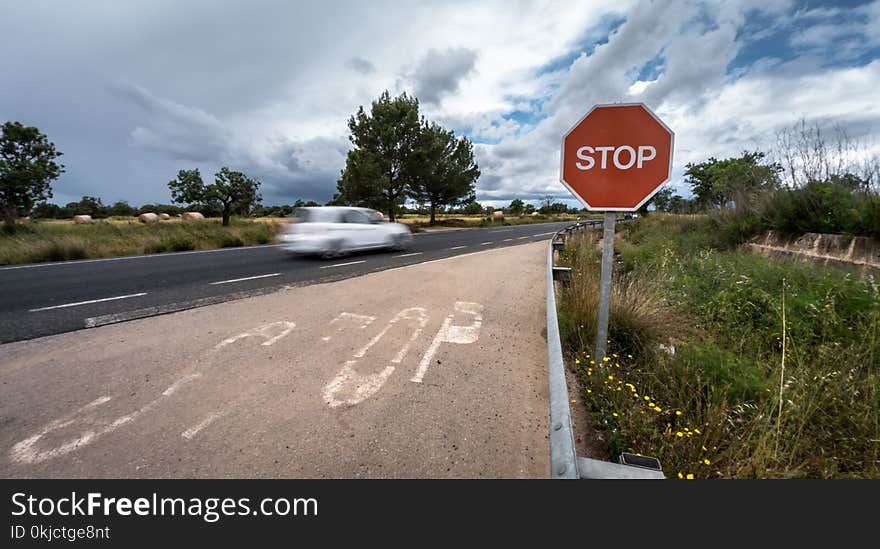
(133, 91)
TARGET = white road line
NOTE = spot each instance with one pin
(344, 264)
(543, 234)
(78, 303)
(194, 430)
(486, 243)
(507, 240)
(243, 279)
(522, 237)
(457, 247)
(500, 230)
(409, 255)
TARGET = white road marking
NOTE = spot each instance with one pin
(362, 386)
(363, 319)
(507, 240)
(450, 333)
(174, 387)
(103, 320)
(127, 257)
(485, 243)
(343, 264)
(194, 430)
(522, 237)
(366, 385)
(457, 247)
(500, 231)
(265, 331)
(27, 452)
(543, 234)
(409, 255)
(243, 279)
(78, 303)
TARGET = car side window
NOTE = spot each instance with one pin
(356, 217)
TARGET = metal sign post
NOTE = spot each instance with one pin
(605, 286)
(614, 160)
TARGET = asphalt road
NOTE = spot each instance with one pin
(50, 298)
(432, 370)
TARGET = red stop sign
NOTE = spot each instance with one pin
(616, 157)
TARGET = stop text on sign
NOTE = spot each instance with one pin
(620, 161)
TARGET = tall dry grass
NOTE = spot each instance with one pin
(59, 241)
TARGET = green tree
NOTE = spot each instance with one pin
(121, 208)
(375, 173)
(718, 183)
(441, 169)
(231, 192)
(662, 199)
(27, 166)
(472, 207)
(89, 205)
(516, 207)
(188, 188)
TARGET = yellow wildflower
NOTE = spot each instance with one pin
(707, 462)
(680, 475)
(679, 434)
(678, 412)
(690, 476)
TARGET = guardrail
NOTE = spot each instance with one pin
(564, 461)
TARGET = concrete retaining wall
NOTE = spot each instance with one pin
(859, 250)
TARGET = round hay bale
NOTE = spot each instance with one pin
(148, 217)
(83, 219)
(497, 214)
(164, 217)
(192, 216)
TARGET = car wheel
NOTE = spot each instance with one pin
(400, 242)
(334, 249)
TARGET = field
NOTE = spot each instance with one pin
(64, 240)
(726, 364)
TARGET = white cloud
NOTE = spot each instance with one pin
(268, 87)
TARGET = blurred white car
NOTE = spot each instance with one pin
(332, 231)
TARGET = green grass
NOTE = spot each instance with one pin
(59, 241)
(719, 392)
